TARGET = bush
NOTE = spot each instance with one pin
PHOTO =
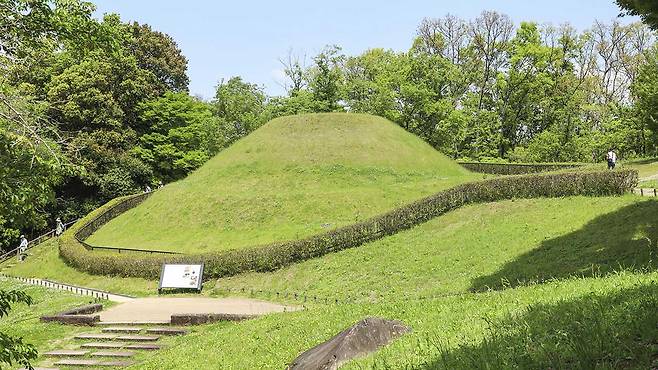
(276, 255)
(515, 168)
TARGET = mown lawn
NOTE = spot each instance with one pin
(23, 321)
(645, 167)
(478, 247)
(294, 177)
(591, 305)
(43, 262)
(607, 322)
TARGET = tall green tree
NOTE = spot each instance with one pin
(159, 54)
(645, 90)
(240, 106)
(181, 134)
(645, 9)
(325, 79)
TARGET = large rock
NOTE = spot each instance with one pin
(364, 337)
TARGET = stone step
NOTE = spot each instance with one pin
(128, 330)
(166, 331)
(85, 363)
(113, 354)
(144, 347)
(66, 353)
(103, 345)
(95, 336)
(77, 362)
(116, 363)
(132, 323)
(138, 338)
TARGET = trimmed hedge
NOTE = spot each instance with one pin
(515, 168)
(276, 255)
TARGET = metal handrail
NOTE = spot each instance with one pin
(99, 220)
(119, 249)
(34, 242)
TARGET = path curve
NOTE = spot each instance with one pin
(160, 309)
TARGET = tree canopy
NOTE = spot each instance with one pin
(645, 9)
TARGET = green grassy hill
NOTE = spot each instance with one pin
(494, 245)
(293, 177)
(572, 285)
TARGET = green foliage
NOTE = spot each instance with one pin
(159, 54)
(608, 320)
(179, 135)
(13, 348)
(295, 176)
(239, 105)
(33, 165)
(515, 168)
(277, 255)
(645, 9)
(325, 78)
(646, 92)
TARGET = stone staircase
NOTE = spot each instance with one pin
(110, 347)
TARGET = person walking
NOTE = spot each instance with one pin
(22, 249)
(612, 159)
(59, 229)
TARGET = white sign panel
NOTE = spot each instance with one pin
(181, 276)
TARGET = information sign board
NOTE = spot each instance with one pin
(181, 276)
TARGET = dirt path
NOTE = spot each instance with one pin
(158, 309)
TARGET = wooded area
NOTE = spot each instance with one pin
(91, 109)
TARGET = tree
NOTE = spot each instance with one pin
(490, 33)
(239, 105)
(32, 165)
(645, 9)
(325, 79)
(182, 135)
(645, 90)
(14, 350)
(158, 53)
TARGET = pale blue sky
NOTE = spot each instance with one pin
(245, 38)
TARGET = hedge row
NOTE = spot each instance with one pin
(515, 168)
(276, 255)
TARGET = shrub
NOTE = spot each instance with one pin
(515, 168)
(276, 255)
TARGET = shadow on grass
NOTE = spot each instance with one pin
(626, 239)
(618, 330)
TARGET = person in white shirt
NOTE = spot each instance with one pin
(22, 248)
(59, 229)
(612, 159)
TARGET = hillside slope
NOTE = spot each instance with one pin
(293, 177)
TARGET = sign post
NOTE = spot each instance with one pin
(180, 276)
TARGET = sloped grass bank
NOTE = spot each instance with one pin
(277, 255)
(492, 245)
(294, 177)
(44, 262)
(577, 323)
(23, 320)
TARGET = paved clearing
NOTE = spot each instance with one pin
(160, 309)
